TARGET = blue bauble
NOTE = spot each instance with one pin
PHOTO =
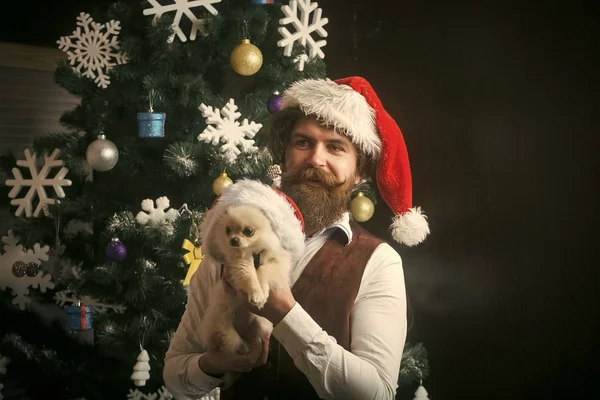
(116, 251)
(275, 102)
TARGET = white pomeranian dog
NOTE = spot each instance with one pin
(243, 240)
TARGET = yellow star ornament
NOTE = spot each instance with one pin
(192, 258)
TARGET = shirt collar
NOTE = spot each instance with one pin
(342, 225)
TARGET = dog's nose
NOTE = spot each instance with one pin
(235, 242)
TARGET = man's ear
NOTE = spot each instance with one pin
(357, 179)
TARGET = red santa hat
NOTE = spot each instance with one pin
(351, 107)
(285, 217)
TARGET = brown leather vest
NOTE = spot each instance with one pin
(327, 290)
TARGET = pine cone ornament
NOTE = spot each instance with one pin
(273, 172)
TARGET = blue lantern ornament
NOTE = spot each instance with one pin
(151, 124)
(79, 318)
(79, 323)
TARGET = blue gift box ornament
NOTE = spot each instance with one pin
(151, 124)
(79, 318)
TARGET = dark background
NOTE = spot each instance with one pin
(498, 105)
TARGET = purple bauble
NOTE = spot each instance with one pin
(116, 251)
(275, 102)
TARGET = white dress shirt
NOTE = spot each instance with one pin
(377, 328)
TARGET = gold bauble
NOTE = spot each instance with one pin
(362, 208)
(221, 183)
(246, 59)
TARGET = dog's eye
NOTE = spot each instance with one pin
(227, 230)
(248, 231)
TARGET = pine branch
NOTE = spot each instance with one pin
(414, 366)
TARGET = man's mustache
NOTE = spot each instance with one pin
(301, 175)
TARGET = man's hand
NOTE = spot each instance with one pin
(216, 363)
(279, 303)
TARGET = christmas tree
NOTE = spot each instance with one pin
(173, 101)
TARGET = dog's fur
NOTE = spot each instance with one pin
(239, 234)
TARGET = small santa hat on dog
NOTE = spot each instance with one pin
(351, 107)
(285, 217)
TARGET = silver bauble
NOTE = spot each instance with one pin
(102, 154)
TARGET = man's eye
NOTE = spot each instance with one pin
(301, 143)
(248, 232)
(227, 230)
(334, 147)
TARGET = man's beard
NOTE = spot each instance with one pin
(321, 204)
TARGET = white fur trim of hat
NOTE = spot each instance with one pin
(337, 106)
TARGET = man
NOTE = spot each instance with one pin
(339, 333)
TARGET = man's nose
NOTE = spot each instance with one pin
(317, 157)
(235, 242)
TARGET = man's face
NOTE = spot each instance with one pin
(319, 173)
(313, 145)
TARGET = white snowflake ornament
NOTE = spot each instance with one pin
(161, 394)
(160, 217)
(56, 263)
(300, 61)
(68, 297)
(304, 29)
(3, 363)
(76, 226)
(95, 51)
(235, 137)
(182, 7)
(37, 183)
(20, 269)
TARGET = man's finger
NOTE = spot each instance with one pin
(254, 353)
(262, 360)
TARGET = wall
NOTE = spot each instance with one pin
(30, 102)
(498, 105)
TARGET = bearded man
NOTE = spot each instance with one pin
(340, 331)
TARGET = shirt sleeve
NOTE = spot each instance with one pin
(182, 374)
(378, 331)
